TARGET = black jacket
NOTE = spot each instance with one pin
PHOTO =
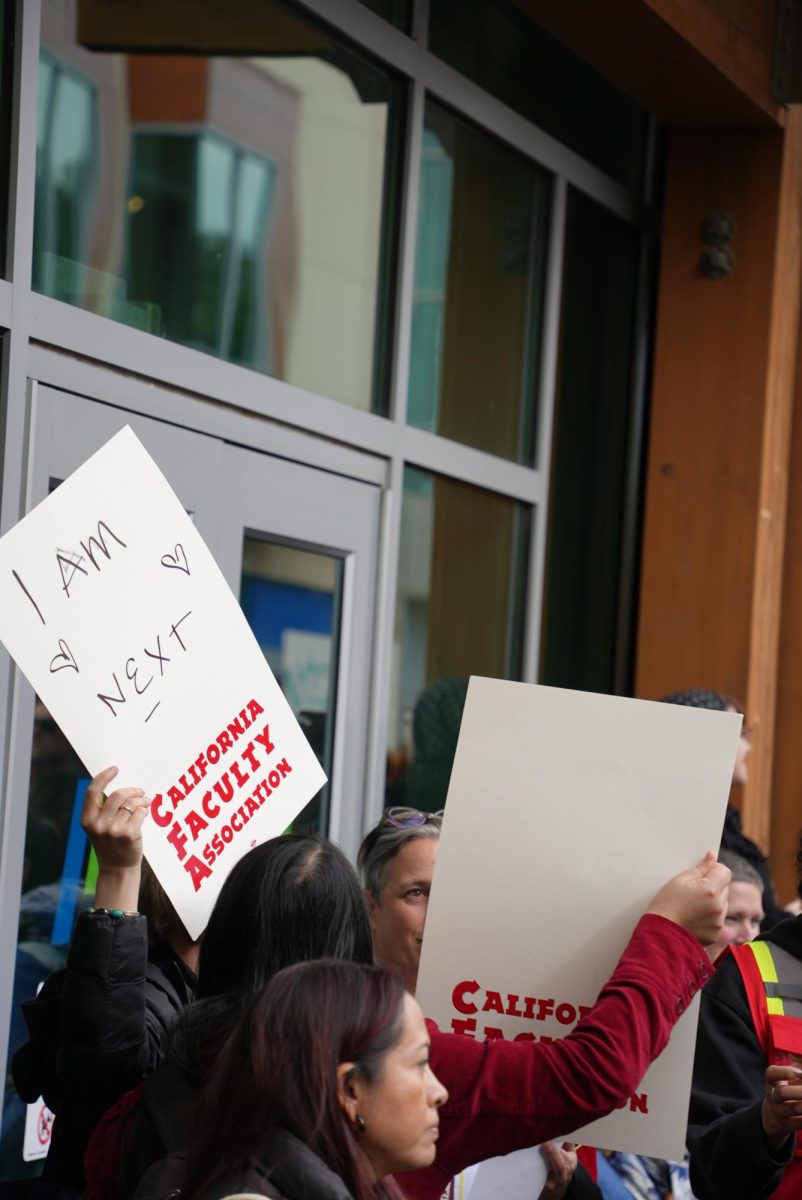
(729, 1155)
(284, 1169)
(97, 1029)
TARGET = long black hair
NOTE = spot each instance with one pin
(279, 1070)
(290, 900)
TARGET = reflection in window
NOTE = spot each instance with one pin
(58, 880)
(7, 19)
(497, 46)
(397, 11)
(479, 279)
(243, 203)
(459, 612)
(198, 222)
(64, 145)
(291, 600)
(431, 266)
(592, 422)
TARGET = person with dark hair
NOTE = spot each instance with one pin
(289, 900)
(292, 899)
(100, 1025)
(746, 1103)
(298, 897)
(435, 729)
(733, 837)
(323, 1090)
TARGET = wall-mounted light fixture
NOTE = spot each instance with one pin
(717, 260)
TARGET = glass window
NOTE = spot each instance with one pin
(6, 103)
(243, 205)
(397, 11)
(459, 611)
(58, 880)
(214, 200)
(291, 600)
(590, 449)
(64, 178)
(479, 285)
(500, 48)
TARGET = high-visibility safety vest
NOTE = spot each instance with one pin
(772, 979)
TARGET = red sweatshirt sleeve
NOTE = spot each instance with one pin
(506, 1095)
(104, 1153)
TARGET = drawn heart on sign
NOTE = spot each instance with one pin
(60, 662)
(176, 561)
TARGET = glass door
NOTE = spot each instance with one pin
(298, 546)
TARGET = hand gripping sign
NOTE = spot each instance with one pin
(113, 607)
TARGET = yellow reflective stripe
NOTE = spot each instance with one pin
(768, 973)
(765, 963)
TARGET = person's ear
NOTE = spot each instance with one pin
(349, 1093)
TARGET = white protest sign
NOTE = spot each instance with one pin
(520, 1176)
(113, 607)
(566, 812)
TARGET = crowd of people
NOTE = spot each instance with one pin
(284, 1055)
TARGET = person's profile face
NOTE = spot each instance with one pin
(400, 1106)
(397, 920)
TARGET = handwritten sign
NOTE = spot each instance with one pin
(115, 610)
(566, 812)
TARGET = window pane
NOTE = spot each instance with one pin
(242, 205)
(64, 179)
(58, 881)
(592, 424)
(291, 600)
(501, 49)
(479, 283)
(397, 11)
(6, 103)
(459, 611)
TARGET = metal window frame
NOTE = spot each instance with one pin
(74, 350)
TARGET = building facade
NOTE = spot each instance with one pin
(405, 299)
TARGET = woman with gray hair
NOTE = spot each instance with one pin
(396, 861)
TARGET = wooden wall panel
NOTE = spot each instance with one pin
(786, 809)
(779, 396)
(687, 61)
(706, 420)
(723, 395)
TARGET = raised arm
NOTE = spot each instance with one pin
(113, 825)
(106, 1044)
(505, 1095)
